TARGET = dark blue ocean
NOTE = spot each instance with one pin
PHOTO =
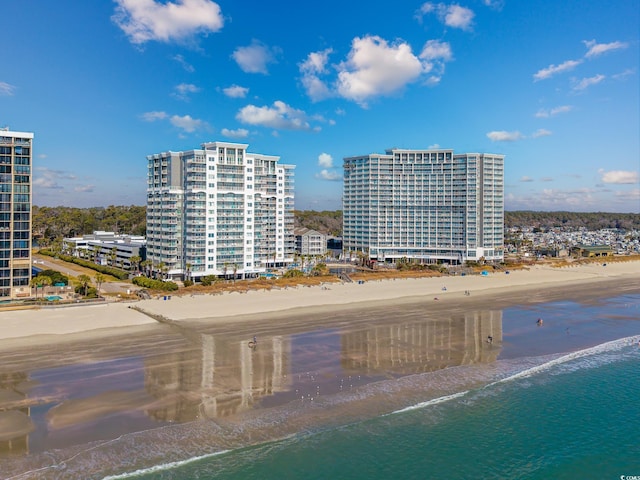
(572, 414)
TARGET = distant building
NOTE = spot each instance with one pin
(107, 248)
(16, 154)
(425, 205)
(310, 242)
(218, 210)
(593, 250)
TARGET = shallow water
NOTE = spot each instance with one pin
(98, 410)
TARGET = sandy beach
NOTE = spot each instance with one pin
(538, 282)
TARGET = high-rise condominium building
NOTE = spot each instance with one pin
(15, 213)
(427, 205)
(219, 210)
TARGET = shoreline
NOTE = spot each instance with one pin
(237, 309)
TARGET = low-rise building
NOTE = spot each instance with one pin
(310, 242)
(107, 248)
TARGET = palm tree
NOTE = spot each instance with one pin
(226, 268)
(99, 280)
(188, 272)
(145, 266)
(40, 281)
(135, 260)
(84, 282)
(113, 255)
(235, 269)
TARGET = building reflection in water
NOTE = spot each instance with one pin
(220, 379)
(425, 346)
(15, 413)
(217, 376)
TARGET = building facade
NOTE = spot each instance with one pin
(425, 205)
(16, 156)
(108, 248)
(219, 210)
(310, 242)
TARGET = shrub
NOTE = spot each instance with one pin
(208, 280)
(293, 273)
(114, 272)
(155, 284)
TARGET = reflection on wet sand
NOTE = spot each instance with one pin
(218, 379)
(415, 347)
(188, 375)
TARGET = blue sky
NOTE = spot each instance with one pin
(553, 85)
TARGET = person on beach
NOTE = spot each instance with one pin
(539, 322)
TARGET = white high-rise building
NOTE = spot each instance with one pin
(16, 154)
(219, 210)
(427, 205)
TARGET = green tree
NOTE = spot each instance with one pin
(135, 262)
(83, 283)
(100, 278)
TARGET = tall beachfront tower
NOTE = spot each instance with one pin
(219, 210)
(427, 205)
(15, 213)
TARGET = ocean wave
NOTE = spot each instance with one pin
(546, 364)
(164, 466)
(603, 348)
(428, 403)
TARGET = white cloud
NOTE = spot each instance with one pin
(48, 178)
(526, 179)
(183, 90)
(552, 70)
(187, 123)
(311, 69)
(546, 179)
(180, 59)
(504, 136)
(235, 91)
(434, 55)
(85, 188)
(145, 20)
(541, 132)
(328, 175)
(435, 146)
(622, 75)
(596, 49)
(374, 67)
(629, 195)
(325, 160)
(495, 4)
(255, 57)
(619, 176)
(238, 133)
(587, 82)
(280, 116)
(153, 116)
(7, 89)
(542, 113)
(452, 15)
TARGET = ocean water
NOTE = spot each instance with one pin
(573, 418)
(566, 415)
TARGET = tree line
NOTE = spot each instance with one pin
(51, 224)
